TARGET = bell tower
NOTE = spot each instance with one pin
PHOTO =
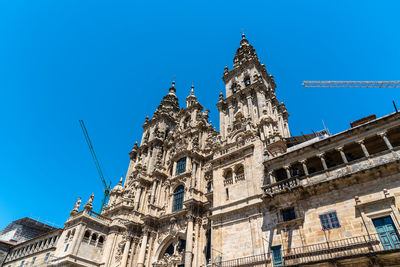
(251, 103)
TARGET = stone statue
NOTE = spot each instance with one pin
(89, 205)
(77, 204)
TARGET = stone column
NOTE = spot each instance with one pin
(386, 139)
(143, 246)
(271, 176)
(304, 164)
(137, 198)
(322, 157)
(76, 239)
(110, 243)
(340, 149)
(124, 260)
(363, 147)
(153, 191)
(189, 241)
(287, 172)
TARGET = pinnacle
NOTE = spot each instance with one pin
(172, 89)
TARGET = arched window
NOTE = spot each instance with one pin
(94, 238)
(178, 198)
(239, 173)
(234, 88)
(228, 177)
(86, 236)
(247, 81)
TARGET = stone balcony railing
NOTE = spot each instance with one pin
(240, 177)
(359, 246)
(228, 181)
(344, 169)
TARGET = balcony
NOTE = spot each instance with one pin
(354, 247)
(282, 186)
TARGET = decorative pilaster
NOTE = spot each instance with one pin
(153, 191)
(76, 239)
(124, 260)
(137, 198)
(189, 241)
(142, 251)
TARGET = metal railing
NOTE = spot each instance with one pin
(321, 252)
(349, 247)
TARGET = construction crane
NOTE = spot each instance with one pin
(353, 84)
(96, 162)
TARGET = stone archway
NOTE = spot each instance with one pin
(171, 251)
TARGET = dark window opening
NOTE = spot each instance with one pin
(227, 193)
(280, 175)
(329, 221)
(247, 81)
(209, 187)
(178, 198)
(208, 245)
(375, 145)
(394, 137)
(234, 88)
(353, 152)
(288, 214)
(181, 166)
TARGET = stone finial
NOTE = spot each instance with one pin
(172, 89)
(89, 204)
(386, 193)
(221, 96)
(357, 199)
(226, 70)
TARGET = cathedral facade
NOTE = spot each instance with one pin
(248, 195)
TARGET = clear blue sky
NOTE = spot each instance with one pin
(110, 63)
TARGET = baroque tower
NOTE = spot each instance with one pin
(251, 102)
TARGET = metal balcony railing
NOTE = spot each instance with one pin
(332, 250)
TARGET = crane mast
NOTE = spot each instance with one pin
(353, 84)
(96, 162)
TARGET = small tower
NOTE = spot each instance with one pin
(250, 102)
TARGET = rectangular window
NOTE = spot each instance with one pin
(66, 247)
(33, 260)
(47, 256)
(22, 263)
(288, 214)
(329, 221)
(181, 166)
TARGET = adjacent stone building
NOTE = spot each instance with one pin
(248, 195)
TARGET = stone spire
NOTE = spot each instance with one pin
(169, 105)
(191, 99)
(244, 53)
